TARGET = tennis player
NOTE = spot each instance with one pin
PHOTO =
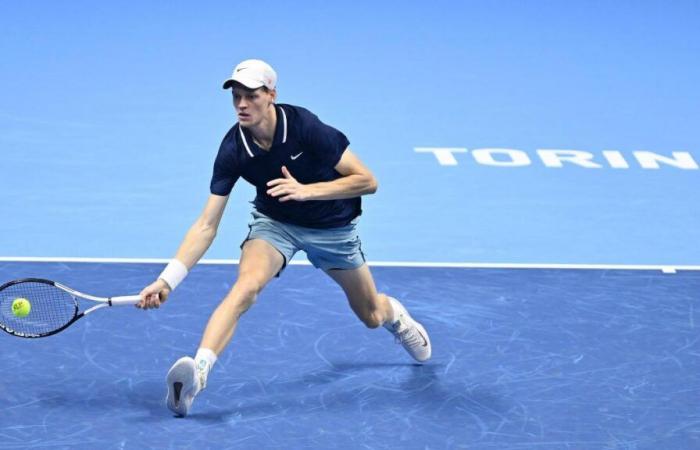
(309, 185)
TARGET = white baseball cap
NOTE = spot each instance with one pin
(253, 73)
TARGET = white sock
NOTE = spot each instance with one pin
(204, 360)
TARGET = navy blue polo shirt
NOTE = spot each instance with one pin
(308, 148)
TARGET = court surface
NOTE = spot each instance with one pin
(538, 168)
(523, 359)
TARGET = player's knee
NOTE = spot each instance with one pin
(248, 287)
(244, 294)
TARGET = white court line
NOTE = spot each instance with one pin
(666, 268)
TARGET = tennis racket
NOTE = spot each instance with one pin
(52, 307)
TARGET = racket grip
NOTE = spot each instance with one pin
(124, 300)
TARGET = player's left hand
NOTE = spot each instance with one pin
(288, 188)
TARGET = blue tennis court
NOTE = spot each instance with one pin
(523, 359)
(538, 165)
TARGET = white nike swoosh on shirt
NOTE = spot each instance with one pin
(296, 156)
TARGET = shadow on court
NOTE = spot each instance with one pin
(354, 387)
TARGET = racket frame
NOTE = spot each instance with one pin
(104, 302)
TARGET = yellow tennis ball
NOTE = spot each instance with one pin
(21, 307)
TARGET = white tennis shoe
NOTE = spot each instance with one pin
(184, 383)
(409, 333)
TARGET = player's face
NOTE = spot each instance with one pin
(252, 106)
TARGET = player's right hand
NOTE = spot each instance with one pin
(154, 295)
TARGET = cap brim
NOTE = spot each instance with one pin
(245, 83)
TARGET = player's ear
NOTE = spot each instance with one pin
(273, 94)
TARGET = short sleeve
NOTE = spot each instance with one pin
(226, 168)
(327, 143)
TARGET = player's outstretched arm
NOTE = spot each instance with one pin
(196, 242)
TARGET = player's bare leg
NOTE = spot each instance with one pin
(372, 308)
(260, 262)
(375, 309)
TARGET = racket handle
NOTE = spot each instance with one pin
(125, 300)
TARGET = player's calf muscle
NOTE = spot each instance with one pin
(373, 319)
(372, 315)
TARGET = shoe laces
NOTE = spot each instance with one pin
(406, 335)
(202, 373)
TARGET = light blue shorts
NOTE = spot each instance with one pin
(326, 248)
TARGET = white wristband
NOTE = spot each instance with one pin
(174, 273)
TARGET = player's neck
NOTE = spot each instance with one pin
(264, 132)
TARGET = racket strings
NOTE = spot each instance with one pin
(51, 308)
